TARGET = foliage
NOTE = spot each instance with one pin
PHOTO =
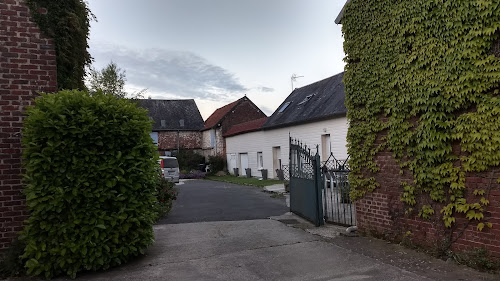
(420, 80)
(217, 163)
(91, 175)
(110, 80)
(68, 25)
(478, 258)
(244, 180)
(194, 174)
(189, 160)
(165, 194)
(10, 262)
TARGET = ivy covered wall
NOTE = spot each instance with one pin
(422, 90)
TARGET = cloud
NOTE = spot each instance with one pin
(265, 89)
(177, 73)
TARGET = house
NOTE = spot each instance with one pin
(237, 112)
(177, 124)
(315, 114)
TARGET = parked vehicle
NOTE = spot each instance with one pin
(170, 168)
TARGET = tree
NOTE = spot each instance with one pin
(110, 80)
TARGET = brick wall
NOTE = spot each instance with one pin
(167, 140)
(27, 66)
(381, 213)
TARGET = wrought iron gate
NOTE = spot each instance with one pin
(305, 183)
(337, 205)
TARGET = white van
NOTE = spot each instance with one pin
(170, 168)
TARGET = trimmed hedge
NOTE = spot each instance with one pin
(91, 175)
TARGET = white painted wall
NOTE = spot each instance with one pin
(264, 141)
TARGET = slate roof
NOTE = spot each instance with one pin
(246, 127)
(172, 112)
(338, 20)
(321, 100)
(218, 115)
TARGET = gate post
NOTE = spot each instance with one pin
(318, 189)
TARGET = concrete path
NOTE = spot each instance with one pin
(283, 247)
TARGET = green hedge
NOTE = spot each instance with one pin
(91, 174)
(423, 77)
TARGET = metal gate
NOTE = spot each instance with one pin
(305, 183)
(337, 205)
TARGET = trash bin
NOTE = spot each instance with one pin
(248, 171)
(236, 172)
(264, 174)
(280, 175)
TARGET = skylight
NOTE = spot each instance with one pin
(284, 107)
(306, 99)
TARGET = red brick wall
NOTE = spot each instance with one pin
(382, 213)
(244, 112)
(167, 140)
(27, 66)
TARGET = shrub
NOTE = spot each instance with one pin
(194, 174)
(217, 163)
(165, 194)
(189, 160)
(91, 175)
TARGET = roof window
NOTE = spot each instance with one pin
(306, 99)
(284, 107)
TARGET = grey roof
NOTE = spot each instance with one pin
(338, 20)
(321, 100)
(172, 112)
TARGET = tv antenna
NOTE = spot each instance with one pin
(294, 78)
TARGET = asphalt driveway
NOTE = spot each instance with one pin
(204, 201)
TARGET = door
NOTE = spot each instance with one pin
(276, 160)
(231, 162)
(326, 148)
(243, 162)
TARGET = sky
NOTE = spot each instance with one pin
(217, 51)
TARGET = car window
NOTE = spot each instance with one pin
(170, 163)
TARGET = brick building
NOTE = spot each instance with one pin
(237, 112)
(27, 67)
(177, 124)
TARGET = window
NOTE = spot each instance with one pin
(212, 138)
(260, 161)
(284, 107)
(181, 122)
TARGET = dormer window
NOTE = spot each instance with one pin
(284, 106)
(306, 99)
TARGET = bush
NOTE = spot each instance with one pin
(165, 194)
(189, 160)
(217, 163)
(91, 175)
(10, 262)
(194, 174)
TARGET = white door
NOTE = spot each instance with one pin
(243, 163)
(231, 162)
(276, 160)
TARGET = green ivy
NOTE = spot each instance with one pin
(91, 175)
(68, 24)
(422, 73)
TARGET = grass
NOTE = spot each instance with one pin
(244, 180)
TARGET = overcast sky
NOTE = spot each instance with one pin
(217, 51)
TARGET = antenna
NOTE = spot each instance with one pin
(294, 78)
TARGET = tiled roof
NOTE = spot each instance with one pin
(321, 100)
(338, 20)
(173, 115)
(218, 114)
(246, 127)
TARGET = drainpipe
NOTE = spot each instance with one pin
(177, 142)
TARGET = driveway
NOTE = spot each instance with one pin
(220, 231)
(204, 200)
